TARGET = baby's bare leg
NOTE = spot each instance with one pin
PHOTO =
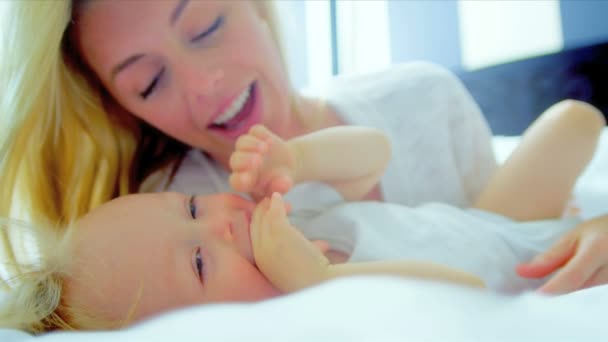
(537, 180)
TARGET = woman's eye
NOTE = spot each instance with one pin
(153, 84)
(214, 27)
(192, 206)
(199, 263)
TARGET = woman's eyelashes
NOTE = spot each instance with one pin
(217, 24)
(153, 84)
(151, 88)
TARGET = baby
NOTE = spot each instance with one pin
(148, 253)
(143, 254)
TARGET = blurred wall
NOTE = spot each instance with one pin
(459, 34)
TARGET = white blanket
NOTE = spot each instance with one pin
(383, 308)
(378, 309)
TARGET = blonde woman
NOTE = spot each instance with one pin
(104, 98)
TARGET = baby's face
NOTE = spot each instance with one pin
(163, 251)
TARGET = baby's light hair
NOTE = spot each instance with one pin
(34, 264)
(33, 283)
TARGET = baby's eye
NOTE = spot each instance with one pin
(192, 205)
(198, 259)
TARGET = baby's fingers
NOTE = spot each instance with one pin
(257, 222)
(277, 208)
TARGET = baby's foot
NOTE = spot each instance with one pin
(262, 163)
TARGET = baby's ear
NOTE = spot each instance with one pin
(322, 245)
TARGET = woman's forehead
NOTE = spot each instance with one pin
(109, 31)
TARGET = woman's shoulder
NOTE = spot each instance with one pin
(406, 84)
(397, 76)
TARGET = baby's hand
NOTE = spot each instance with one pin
(289, 260)
(262, 163)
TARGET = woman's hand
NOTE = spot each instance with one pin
(582, 255)
(262, 164)
(289, 260)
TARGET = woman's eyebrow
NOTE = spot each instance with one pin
(178, 11)
(125, 64)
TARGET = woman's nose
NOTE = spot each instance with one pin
(202, 87)
(202, 92)
(205, 85)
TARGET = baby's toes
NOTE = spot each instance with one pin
(250, 143)
(281, 184)
(241, 181)
(242, 161)
(261, 132)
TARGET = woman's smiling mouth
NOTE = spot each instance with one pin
(239, 116)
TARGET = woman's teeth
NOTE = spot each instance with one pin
(234, 108)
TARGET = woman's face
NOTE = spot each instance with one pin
(203, 72)
(163, 251)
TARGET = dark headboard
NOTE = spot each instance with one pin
(512, 95)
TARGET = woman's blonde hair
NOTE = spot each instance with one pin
(65, 148)
(65, 145)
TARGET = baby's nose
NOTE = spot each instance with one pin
(229, 202)
(222, 227)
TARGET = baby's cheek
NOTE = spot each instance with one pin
(251, 285)
(232, 277)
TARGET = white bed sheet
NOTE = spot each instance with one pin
(378, 309)
(384, 308)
